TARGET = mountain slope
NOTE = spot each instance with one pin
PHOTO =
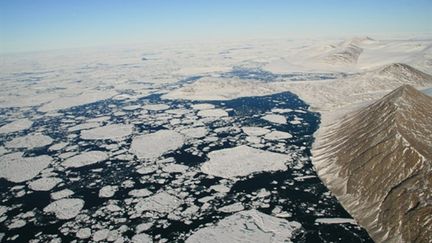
(378, 162)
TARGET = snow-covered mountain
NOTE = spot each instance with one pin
(378, 162)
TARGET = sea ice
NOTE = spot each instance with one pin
(83, 233)
(65, 208)
(140, 193)
(242, 161)
(162, 202)
(277, 135)
(44, 184)
(16, 126)
(212, 113)
(247, 226)
(255, 131)
(335, 221)
(156, 107)
(142, 238)
(61, 194)
(195, 132)
(175, 168)
(15, 168)
(275, 118)
(101, 235)
(107, 191)
(114, 132)
(29, 141)
(154, 145)
(203, 106)
(235, 207)
(71, 101)
(86, 158)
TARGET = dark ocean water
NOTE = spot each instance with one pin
(304, 199)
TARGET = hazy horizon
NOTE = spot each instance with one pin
(46, 25)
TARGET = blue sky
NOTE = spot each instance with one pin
(28, 25)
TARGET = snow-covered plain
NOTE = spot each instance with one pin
(203, 154)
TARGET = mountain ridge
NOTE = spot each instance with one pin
(377, 161)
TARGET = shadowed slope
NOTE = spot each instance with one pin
(378, 162)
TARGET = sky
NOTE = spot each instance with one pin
(34, 25)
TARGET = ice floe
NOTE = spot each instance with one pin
(212, 113)
(277, 135)
(16, 168)
(335, 221)
(30, 141)
(195, 132)
(162, 202)
(203, 106)
(44, 184)
(140, 193)
(65, 208)
(247, 226)
(83, 233)
(85, 158)
(255, 131)
(242, 161)
(142, 238)
(275, 118)
(61, 194)
(71, 101)
(16, 126)
(153, 145)
(235, 207)
(114, 132)
(156, 107)
(107, 191)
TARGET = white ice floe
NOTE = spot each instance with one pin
(107, 191)
(242, 161)
(281, 111)
(71, 101)
(247, 226)
(29, 141)
(195, 132)
(156, 107)
(275, 118)
(61, 194)
(255, 131)
(15, 168)
(114, 132)
(203, 106)
(131, 107)
(65, 208)
(44, 184)
(154, 145)
(235, 207)
(162, 202)
(86, 158)
(17, 224)
(57, 146)
(16, 126)
(83, 126)
(212, 113)
(175, 168)
(335, 221)
(101, 235)
(142, 238)
(277, 135)
(83, 233)
(220, 188)
(140, 193)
